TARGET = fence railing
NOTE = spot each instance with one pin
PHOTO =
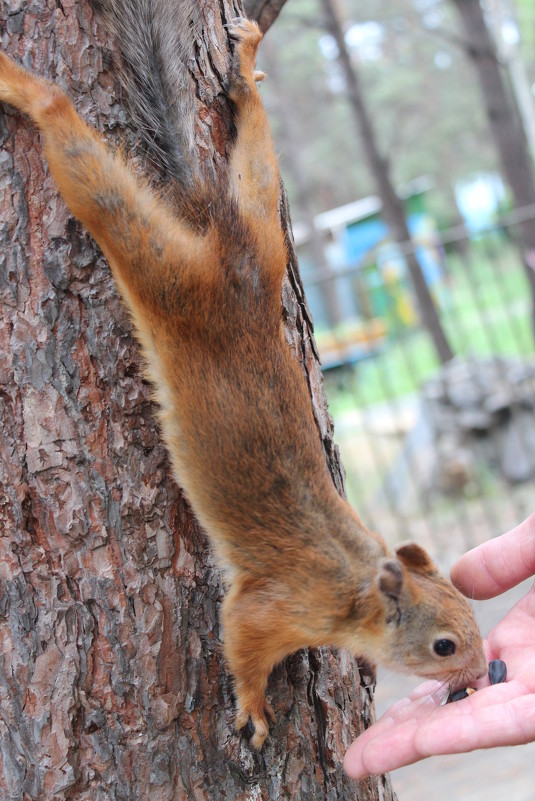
(439, 453)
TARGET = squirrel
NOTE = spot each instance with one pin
(201, 273)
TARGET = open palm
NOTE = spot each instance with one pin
(504, 714)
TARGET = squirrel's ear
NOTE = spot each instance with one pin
(414, 557)
(390, 578)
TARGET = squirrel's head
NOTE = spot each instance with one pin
(423, 625)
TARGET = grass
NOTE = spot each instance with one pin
(486, 312)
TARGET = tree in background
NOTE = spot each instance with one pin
(505, 126)
(392, 207)
(411, 77)
(265, 12)
(112, 680)
(291, 131)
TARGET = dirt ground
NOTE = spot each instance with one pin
(500, 774)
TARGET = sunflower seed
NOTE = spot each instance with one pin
(497, 671)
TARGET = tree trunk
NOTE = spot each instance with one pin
(265, 12)
(392, 206)
(112, 681)
(505, 126)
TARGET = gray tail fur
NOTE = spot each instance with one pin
(155, 40)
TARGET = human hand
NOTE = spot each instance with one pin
(504, 714)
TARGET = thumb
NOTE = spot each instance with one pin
(497, 565)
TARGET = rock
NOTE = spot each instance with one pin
(434, 390)
(474, 420)
(471, 413)
(518, 454)
(463, 392)
(494, 397)
(442, 418)
(454, 467)
(499, 401)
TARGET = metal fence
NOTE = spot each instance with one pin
(440, 453)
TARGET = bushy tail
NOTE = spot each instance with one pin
(155, 40)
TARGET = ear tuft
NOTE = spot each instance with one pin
(391, 578)
(414, 557)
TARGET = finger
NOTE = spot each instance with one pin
(497, 565)
(501, 715)
(382, 753)
(396, 728)
(422, 701)
(490, 725)
(487, 726)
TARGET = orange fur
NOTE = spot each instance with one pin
(234, 408)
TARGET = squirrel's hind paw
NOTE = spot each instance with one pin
(244, 30)
(243, 75)
(259, 719)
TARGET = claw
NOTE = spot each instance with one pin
(260, 733)
(240, 28)
(270, 712)
(242, 718)
(259, 721)
(236, 26)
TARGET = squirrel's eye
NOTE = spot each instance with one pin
(444, 647)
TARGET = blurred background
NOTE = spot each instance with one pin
(406, 136)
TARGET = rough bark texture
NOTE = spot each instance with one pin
(505, 126)
(112, 681)
(392, 207)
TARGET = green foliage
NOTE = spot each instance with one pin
(487, 314)
(523, 13)
(421, 90)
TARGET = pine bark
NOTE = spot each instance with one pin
(112, 680)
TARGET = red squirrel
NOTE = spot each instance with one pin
(201, 273)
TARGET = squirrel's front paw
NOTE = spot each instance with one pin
(245, 30)
(247, 35)
(259, 717)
